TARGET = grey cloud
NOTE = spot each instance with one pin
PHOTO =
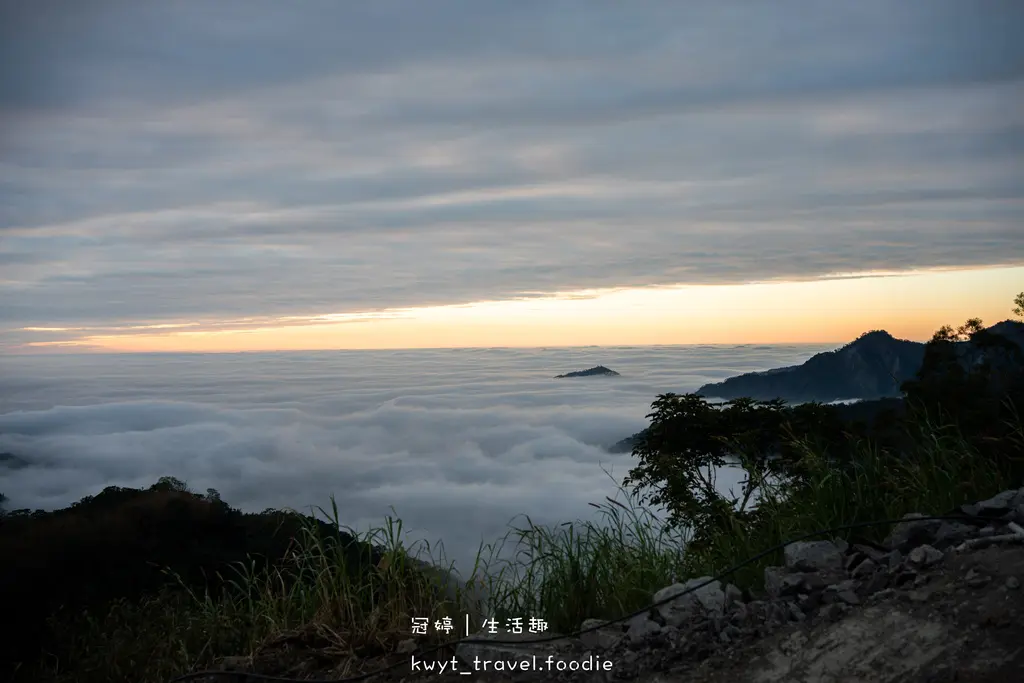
(458, 443)
(159, 161)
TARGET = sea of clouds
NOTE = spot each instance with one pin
(456, 443)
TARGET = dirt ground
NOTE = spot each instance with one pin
(953, 628)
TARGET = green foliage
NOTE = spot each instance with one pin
(129, 544)
(1018, 309)
(689, 439)
(974, 379)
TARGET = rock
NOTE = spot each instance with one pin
(846, 585)
(864, 569)
(848, 597)
(832, 612)
(950, 534)
(641, 628)
(1012, 583)
(912, 532)
(709, 599)
(773, 577)
(601, 638)
(894, 561)
(791, 584)
(812, 556)
(407, 646)
(878, 582)
(925, 556)
(808, 601)
(1017, 515)
(873, 554)
(975, 579)
(733, 595)
(795, 613)
(1001, 503)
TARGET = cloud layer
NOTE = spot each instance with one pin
(458, 442)
(189, 161)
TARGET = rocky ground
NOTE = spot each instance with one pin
(940, 601)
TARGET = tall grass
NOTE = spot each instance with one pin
(600, 568)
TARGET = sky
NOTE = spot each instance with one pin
(260, 175)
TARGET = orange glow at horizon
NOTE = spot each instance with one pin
(910, 306)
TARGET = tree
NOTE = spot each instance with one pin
(169, 484)
(972, 378)
(1018, 310)
(689, 439)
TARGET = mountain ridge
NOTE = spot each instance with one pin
(873, 366)
(858, 359)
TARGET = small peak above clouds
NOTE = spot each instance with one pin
(596, 371)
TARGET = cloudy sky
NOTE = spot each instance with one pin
(263, 174)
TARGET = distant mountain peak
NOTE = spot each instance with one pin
(872, 366)
(875, 334)
(590, 372)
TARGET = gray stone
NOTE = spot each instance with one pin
(865, 568)
(874, 554)
(1018, 514)
(846, 585)
(641, 628)
(740, 613)
(709, 599)
(795, 613)
(791, 584)
(925, 556)
(950, 534)
(602, 638)
(813, 556)
(407, 646)
(975, 579)
(912, 532)
(848, 597)
(877, 583)
(813, 582)
(733, 595)
(808, 601)
(894, 560)
(1012, 582)
(773, 577)
(1001, 503)
(832, 612)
